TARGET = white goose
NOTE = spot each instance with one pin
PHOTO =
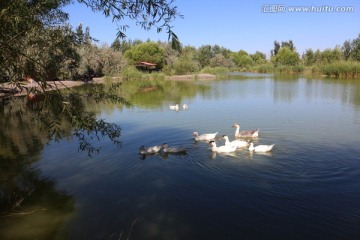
(237, 142)
(261, 148)
(248, 133)
(174, 107)
(149, 150)
(185, 106)
(222, 149)
(167, 149)
(205, 136)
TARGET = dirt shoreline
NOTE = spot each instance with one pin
(10, 89)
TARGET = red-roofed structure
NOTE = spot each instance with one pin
(146, 66)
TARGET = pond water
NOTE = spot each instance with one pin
(308, 187)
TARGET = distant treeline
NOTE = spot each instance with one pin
(174, 58)
(43, 51)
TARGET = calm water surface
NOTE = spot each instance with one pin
(307, 188)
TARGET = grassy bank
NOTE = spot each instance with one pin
(270, 68)
(344, 69)
(341, 69)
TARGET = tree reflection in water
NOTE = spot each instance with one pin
(30, 205)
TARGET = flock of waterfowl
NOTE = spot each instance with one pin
(176, 107)
(242, 141)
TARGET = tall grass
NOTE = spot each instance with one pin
(270, 68)
(347, 69)
(263, 68)
(215, 70)
(289, 69)
(131, 73)
(154, 76)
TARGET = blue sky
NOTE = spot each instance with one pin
(248, 25)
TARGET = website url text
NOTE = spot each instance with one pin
(282, 8)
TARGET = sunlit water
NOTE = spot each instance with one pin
(307, 188)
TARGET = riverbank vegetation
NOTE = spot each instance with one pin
(341, 61)
(45, 47)
(119, 60)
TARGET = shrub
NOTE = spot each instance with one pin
(131, 73)
(186, 66)
(263, 68)
(215, 70)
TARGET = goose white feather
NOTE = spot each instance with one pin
(261, 148)
(222, 149)
(174, 107)
(248, 133)
(204, 137)
(237, 142)
(149, 150)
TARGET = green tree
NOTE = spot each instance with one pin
(258, 57)
(243, 53)
(116, 45)
(170, 55)
(221, 50)
(189, 52)
(204, 54)
(346, 50)
(186, 65)
(82, 37)
(288, 44)
(287, 57)
(331, 55)
(317, 55)
(242, 59)
(355, 49)
(175, 44)
(351, 49)
(25, 28)
(309, 57)
(276, 48)
(146, 52)
(220, 61)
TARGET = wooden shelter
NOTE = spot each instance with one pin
(146, 66)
